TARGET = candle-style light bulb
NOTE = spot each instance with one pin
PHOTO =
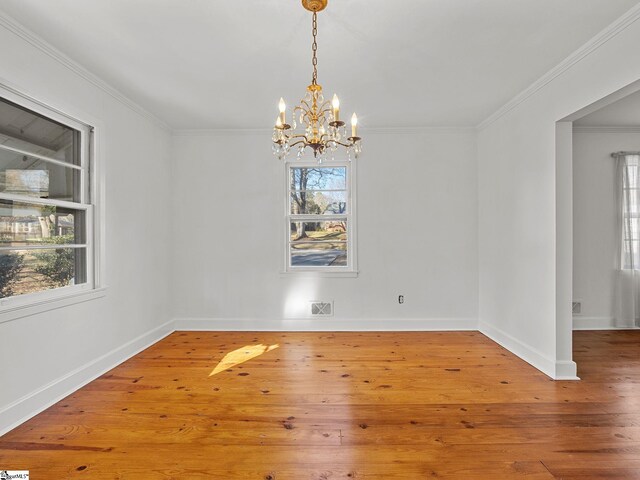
(354, 125)
(335, 103)
(283, 108)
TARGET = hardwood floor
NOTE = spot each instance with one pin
(328, 406)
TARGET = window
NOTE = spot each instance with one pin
(320, 220)
(46, 216)
(630, 211)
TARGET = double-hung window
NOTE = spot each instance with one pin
(46, 216)
(630, 168)
(320, 218)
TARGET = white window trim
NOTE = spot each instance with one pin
(351, 269)
(19, 306)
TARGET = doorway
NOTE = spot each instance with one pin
(588, 214)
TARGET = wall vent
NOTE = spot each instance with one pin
(576, 308)
(321, 309)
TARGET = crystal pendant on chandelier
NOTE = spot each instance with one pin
(320, 126)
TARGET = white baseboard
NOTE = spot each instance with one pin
(558, 370)
(593, 323)
(566, 370)
(328, 324)
(30, 405)
(597, 323)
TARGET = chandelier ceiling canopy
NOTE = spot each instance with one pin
(320, 127)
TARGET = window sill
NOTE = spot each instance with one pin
(317, 274)
(12, 312)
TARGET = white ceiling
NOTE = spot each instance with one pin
(225, 63)
(623, 113)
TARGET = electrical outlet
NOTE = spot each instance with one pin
(576, 307)
(400, 299)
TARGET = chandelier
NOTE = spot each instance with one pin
(320, 126)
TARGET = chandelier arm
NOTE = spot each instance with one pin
(304, 102)
(302, 111)
(300, 142)
(306, 114)
(309, 117)
(323, 120)
(348, 145)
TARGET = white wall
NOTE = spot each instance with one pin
(44, 355)
(417, 235)
(594, 221)
(419, 230)
(517, 195)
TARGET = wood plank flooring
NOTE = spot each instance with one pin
(329, 406)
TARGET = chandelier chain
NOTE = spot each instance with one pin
(314, 49)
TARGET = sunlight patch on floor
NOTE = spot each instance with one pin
(242, 355)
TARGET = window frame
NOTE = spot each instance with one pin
(91, 191)
(349, 270)
(628, 216)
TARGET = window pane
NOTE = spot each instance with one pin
(318, 178)
(318, 244)
(24, 175)
(318, 203)
(630, 252)
(630, 176)
(26, 130)
(325, 231)
(32, 224)
(318, 255)
(29, 271)
(631, 228)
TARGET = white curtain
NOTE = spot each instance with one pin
(627, 287)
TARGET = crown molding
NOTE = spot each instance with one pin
(596, 42)
(220, 132)
(45, 47)
(208, 132)
(420, 130)
(606, 129)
